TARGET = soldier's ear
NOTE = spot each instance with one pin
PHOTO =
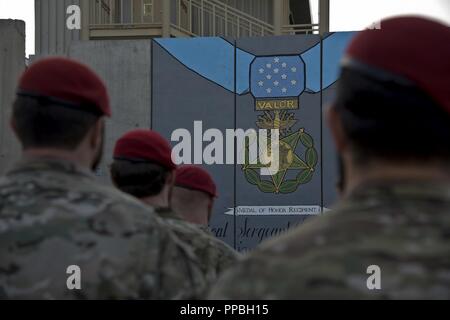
(171, 178)
(12, 124)
(337, 130)
(97, 134)
(210, 209)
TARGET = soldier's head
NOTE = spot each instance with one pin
(143, 167)
(392, 110)
(193, 195)
(59, 111)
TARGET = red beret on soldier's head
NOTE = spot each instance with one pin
(66, 82)
(195, 178)
(413, 48)
(144, 146)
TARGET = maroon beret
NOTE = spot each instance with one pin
(195, 178)
(414, 48)
(67, 82)
(144, 145)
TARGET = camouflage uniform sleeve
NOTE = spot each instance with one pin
(238, 282)
(181, 273)
(208, 254)
(273, 278)
(165, 267)
(228, 257)
(270, 272)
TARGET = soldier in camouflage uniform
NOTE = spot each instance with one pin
(192, 200)
(143, 168)
(388, 238)
(54, 216)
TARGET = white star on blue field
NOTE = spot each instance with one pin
(277, 77)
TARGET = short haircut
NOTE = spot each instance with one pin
(40, 123)
(139, 179)
(391, 120)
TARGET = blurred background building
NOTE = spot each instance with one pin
(140, 19)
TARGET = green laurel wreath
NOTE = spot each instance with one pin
(288, 186)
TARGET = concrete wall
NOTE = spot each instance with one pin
(12, 64)
(126, 67)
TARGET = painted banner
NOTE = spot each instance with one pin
(282, 83)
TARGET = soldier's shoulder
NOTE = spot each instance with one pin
(89, 225)
(284, 267)
(214, 254)
(204, 237)
(64, 201)
(228, 255)
(66, 187)
(349, 220)
(280, 267)
(327, 257)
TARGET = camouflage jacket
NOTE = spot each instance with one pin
(214, 255)
(54, 215)
(401, 227)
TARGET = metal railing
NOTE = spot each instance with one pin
(122, 13)
(214, 18)
(192, 17)
(294, 29)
